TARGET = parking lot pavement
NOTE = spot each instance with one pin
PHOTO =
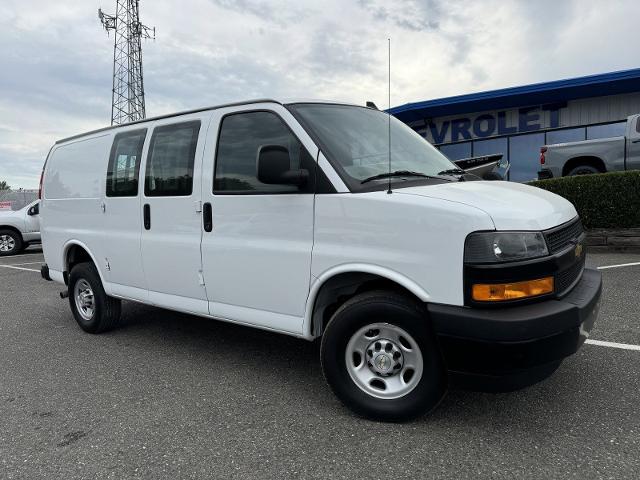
(174, 396)
(620, 310)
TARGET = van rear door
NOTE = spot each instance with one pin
(171, 233)
(122, 216)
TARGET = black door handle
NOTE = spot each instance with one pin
(207, 217)
(146, 210)
(636, 141)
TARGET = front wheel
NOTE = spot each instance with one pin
(94, 311)
(381, 359)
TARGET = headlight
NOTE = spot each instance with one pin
(495, 247)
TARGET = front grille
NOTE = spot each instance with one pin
(567, 277)
(561, 237)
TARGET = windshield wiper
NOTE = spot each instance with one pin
(399, 173)
(452, 171)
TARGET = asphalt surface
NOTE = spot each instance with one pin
(174, 396)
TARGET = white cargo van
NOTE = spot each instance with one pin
(288, 217)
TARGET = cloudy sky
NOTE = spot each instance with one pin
(55, 61)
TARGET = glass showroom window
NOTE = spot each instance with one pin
(492, 146)
(457, 151)
(525, 156)
(565, 136)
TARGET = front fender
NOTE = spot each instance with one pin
(387, 273)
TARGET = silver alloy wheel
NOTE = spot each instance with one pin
(384, 361)
(7, 243)
(83, 295)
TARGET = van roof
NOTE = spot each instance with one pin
(203, 109)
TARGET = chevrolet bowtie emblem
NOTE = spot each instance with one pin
(383, 362)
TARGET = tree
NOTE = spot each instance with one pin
(4, 186)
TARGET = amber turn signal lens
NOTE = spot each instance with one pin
(512, 291)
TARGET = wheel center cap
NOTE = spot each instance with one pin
(383, 362)
(384, 357)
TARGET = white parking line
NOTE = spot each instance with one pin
(20, 268)
(618, 266)
(20, 264)
(623, 346)
(23, 255)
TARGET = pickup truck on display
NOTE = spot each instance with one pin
(593, 156)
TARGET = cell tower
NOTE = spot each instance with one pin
(127, 95)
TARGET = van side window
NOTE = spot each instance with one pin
(170, 160)
(124, 164)
(242, 137)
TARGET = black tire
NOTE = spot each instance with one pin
(16, 240)
(106, 310)
(583, 170)
(399, 311)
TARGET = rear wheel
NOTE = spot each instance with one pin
(381, 358)
(10, 243)
(583, 170)
(94, 311)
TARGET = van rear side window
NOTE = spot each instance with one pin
(124, 164)
(170, 160)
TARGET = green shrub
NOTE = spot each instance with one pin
(607, 200)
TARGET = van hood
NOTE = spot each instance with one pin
(511, 206)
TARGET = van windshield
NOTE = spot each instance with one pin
(355, 139)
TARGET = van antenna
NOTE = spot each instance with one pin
(389, 114)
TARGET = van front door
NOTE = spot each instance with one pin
(257, 225)
(170, 212)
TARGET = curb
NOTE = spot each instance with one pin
(613, 240)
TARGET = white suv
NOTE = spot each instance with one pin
(293, 217)
(19, 229)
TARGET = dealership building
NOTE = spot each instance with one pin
(515, 122)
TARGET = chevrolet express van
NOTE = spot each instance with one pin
(291, 217)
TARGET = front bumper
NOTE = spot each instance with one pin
(515, 339)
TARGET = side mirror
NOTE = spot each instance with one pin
(35, 210)
(274, 167)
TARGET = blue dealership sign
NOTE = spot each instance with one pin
(530, 119)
